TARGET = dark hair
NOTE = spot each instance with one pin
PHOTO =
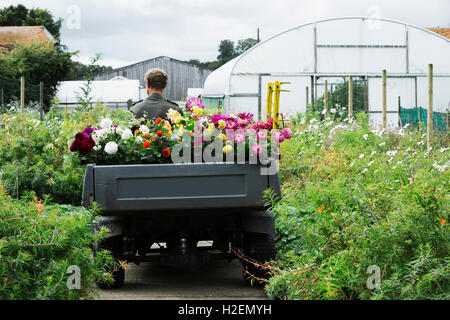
(156, 79)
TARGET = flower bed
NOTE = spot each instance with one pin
(357, 199)
(233, 136)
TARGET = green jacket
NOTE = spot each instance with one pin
(155, 106)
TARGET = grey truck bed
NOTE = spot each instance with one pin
(145, 188)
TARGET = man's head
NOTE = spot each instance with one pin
(156, 80)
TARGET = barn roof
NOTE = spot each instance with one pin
(442, 31)
(155, 59)
(8, 35)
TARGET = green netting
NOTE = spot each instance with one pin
(213, 103)
(10, 92)
(416, 115)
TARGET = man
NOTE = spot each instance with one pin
(155, 106)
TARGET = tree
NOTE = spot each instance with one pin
(38, 61)
(244, 45)
(21, 16)
(79, 70)
(226, 51)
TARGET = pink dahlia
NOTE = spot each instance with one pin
(287, 133)
(261, 135)
(257, 149)
(278, 137)
(239, 138)
(194, 102)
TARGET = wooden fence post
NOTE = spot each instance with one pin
(41, 99)
(307, 98)
(22, 95)
(350, 98)
(384, 99)
(315, 93)
(326, 99)
(430, 105)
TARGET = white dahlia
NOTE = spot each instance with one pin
(111, 148)
(106, 123)
(127, 134)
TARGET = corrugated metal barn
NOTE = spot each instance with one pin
(182, 75)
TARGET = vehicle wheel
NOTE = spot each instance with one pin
(113, 245)
(261, 248)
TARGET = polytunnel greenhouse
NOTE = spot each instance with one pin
(334, 50)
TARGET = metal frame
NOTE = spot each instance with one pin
(315, 74)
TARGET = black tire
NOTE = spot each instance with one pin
(113, 245)
(261, 248)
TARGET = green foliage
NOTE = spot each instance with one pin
(84, 97)
(35, 155)
(355, 197)
(38, 244)
(227, 51)
(338, 99)
(21, 16)
(79, 70)
(244, 45)
(38, 61)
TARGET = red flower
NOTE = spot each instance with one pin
(166, 153)
(75, 146)
(147, 144)
(85, 148)
(159, 134)
(159, 120)
(80, 136)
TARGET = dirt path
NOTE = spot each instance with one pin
(220, 280)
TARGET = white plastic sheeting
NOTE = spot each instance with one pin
(338, 47)
(102, 91)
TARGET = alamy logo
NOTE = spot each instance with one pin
(374, 280)
(74, 281)
(74, 19)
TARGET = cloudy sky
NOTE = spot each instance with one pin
(129, 31)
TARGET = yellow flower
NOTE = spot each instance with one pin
(228, 149)
(179, 119)
(167, 126)
(222, 124)
(222, 137)
(173, 115)
(197, 110)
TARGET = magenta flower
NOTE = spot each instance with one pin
(257, 149)
(239, 137)
(194, 102)
(217, 117)
(246, 115)
(261, 135)
(259, 126)
(88, 130)
(231, 125)
(269, 125)
(278, 137)
(287, 133)
(243, 123)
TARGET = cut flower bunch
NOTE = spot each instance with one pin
(153, 141)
